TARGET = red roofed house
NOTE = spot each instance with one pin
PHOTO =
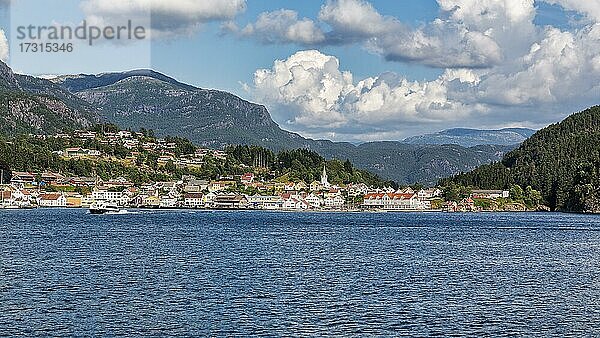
(247, 178)
(52, 200)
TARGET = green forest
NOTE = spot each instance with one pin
(35, 154)
(562, 161)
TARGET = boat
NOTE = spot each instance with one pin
(103, 208)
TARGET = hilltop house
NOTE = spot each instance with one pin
(196, 186)
(22, 178)
(316, 186)
(300, 186)
(247, 178)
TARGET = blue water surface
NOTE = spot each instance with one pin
(194, 273)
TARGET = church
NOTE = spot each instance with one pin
(324, 181)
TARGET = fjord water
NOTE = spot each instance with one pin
(184, 273)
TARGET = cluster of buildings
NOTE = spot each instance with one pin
(134, 142)
(29, 190)
(468, 204)
(48, 189)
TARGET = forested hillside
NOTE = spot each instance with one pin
(40, 154)
(562, 161)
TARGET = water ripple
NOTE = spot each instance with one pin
(65, 273)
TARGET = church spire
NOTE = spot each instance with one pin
(324, 181)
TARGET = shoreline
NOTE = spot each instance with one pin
(353, 211)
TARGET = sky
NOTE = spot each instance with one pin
(346, 70)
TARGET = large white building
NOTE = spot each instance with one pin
(393, 201)
(110, 196)
(193, 200)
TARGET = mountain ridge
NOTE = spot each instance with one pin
(213, 118)
(37, 106)
(468, 137)
(216, 118)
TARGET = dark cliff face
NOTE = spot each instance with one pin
(207, 117)
(33, 105)
(8, 80)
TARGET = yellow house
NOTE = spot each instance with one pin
(316, 186)
(152, 202)
(74, 201)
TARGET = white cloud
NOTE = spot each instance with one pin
(590, 8)
(562, 67)
(468, 33)
(284, 26)
(307, 82)
(309, 92)
(165, 17)
(3, 46)
(357, 18)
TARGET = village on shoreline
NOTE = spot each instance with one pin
(246, 191)
(191, 193)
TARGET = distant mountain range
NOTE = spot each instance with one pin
(473, 137)
(211, 118)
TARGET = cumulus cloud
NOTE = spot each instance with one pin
(468, 33)
(561, 67)
(3, 46)
(587, 7)
(352, 19)
(166, 18)
(310, 93)
(283, 26)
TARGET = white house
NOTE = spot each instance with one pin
(193, 200)
(167, 202)
(52, 200)
(314, 201)
(295, 204)
(393, 201)
(490, 194)
(334, 202)
(424, 194)
(110, 196)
